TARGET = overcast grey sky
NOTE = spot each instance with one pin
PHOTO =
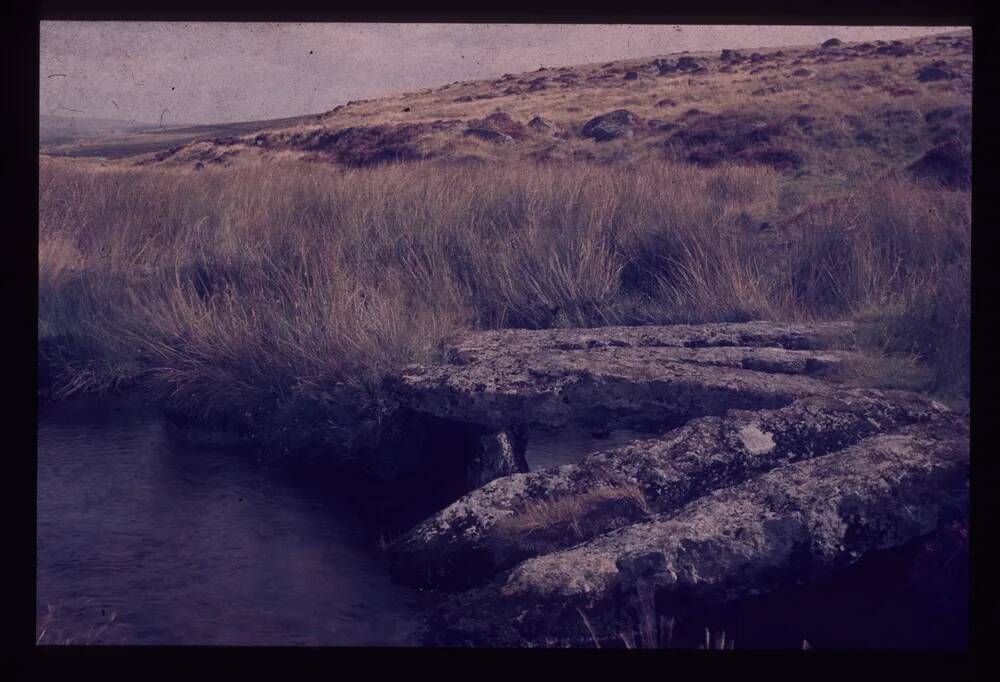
(223, 72)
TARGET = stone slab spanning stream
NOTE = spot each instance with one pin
(765, 471)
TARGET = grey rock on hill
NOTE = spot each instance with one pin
(610, 126)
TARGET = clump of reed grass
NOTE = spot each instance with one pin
(570, 510)
(255, 289)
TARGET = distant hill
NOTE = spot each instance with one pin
(831, 112)
(58, 130)
(106, 138)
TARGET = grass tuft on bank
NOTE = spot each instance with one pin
(265, 288)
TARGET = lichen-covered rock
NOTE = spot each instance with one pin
(628, 377)
(611, 126)
(793, 524)
(474, 538)
(935, 73)
(500, 454)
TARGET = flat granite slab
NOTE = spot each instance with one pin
(622, 377)
(796, 522)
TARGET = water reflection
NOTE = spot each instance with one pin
(198, 545)
(554, 448)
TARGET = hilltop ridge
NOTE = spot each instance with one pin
(835, 110)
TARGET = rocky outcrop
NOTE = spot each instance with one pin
(935, 72)
(665, 68)
(499, 454)
(486, 531)
(611, 126)
(619, 377)
(796, 523)
(895, 50)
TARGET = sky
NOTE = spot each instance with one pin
(176, 73)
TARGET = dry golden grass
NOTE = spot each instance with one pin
(847, 95)
(569, 510)
(264, 284)
(255, 287)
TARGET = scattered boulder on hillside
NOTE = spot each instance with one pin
(756, 57)
(895, 50)
(688, 64)
(499, 122)
(802, 73)
(538, 84)
(948, 163)
(935, 73)
(631, 76)
(730, 56)
(666, 68)
(665, 103)
(832, 42)
(610, 126)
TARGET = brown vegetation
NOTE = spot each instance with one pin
(259, 283)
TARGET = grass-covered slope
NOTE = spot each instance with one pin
(249, 278)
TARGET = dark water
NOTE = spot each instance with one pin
(554, 448)
(143, 539)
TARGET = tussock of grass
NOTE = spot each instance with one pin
(255, 289)
(570, 510)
